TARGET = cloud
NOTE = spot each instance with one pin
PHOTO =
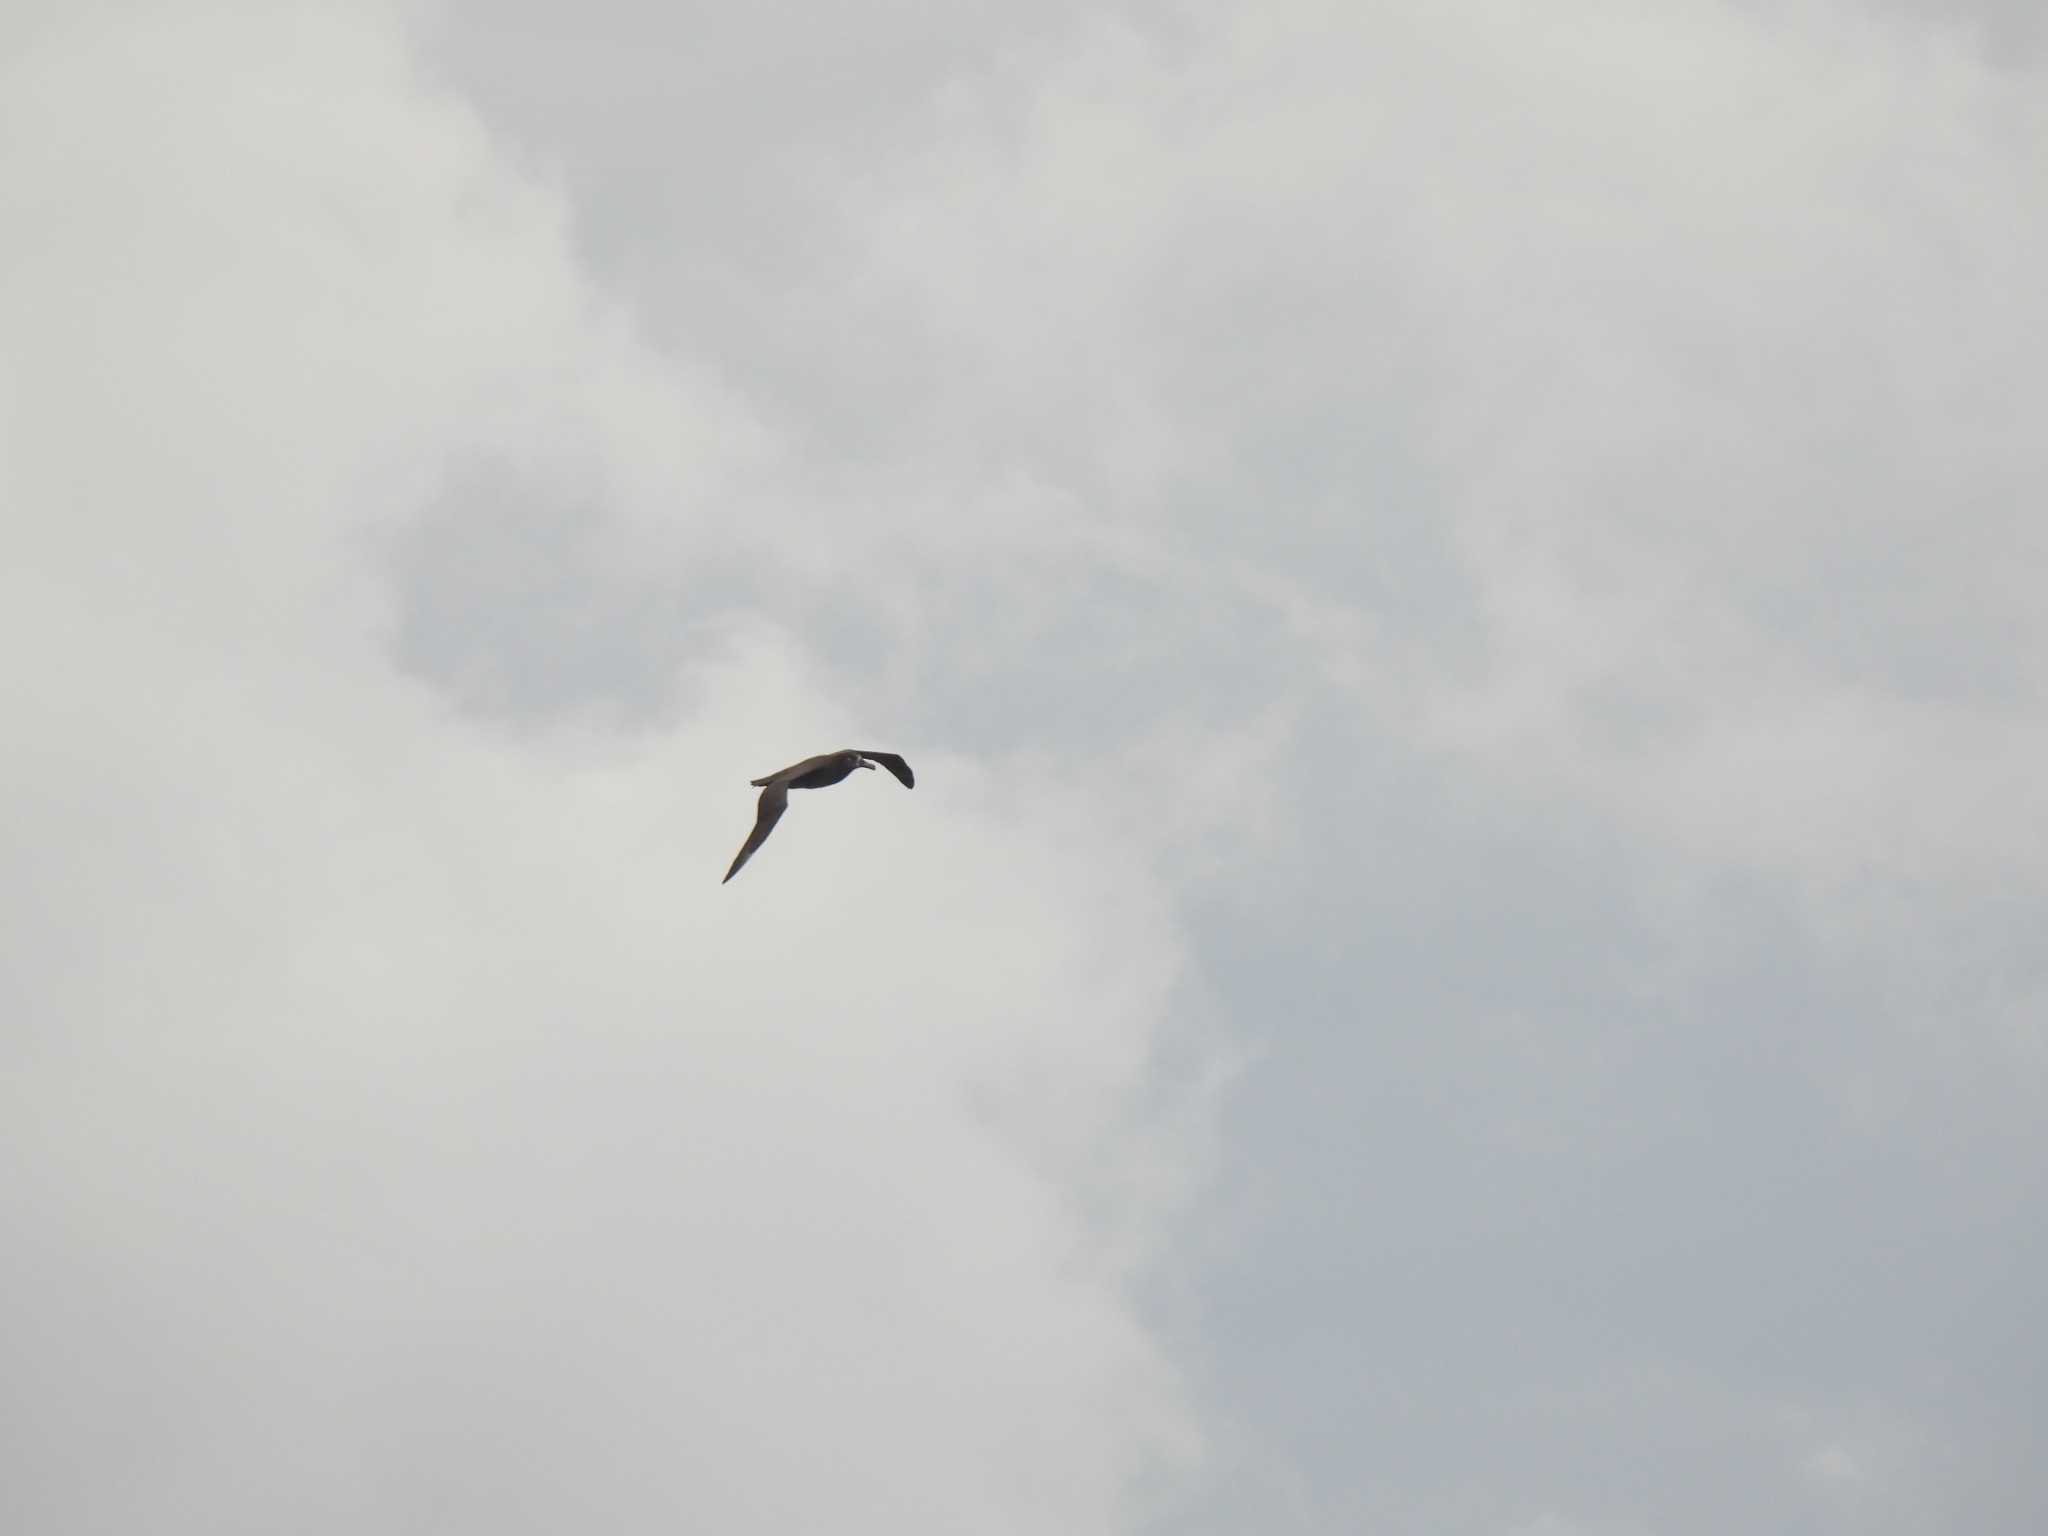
(408, 1131)
(1479, 556)
(1597, 443)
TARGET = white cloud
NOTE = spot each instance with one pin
(407, 1129)
(1551, 487)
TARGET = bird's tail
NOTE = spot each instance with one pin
(762, 783)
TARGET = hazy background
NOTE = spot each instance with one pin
(1464, 585)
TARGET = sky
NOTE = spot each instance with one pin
(1462, 582)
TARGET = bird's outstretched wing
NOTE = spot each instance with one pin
(774, 801)
(895, 765)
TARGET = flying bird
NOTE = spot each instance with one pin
(811, 773)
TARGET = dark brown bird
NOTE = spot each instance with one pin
(811, 773)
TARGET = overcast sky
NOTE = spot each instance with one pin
(1464, 585)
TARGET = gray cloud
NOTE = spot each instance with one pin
(1557, 489)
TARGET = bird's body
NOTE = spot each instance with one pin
(812, 773)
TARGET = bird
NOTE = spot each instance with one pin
(811, 773)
